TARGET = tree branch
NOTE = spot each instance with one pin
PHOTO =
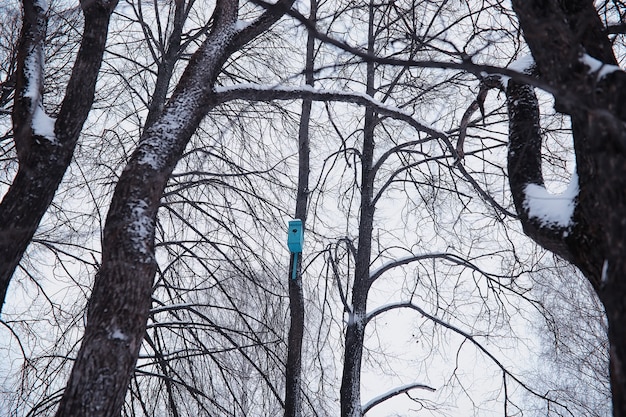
(392, 393)
(471, 339)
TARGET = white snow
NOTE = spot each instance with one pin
(393, 263)
(33, 64)
(141, 228)
(170, 307)
(248, 86)
(405, 260)
(605, 272)
(598, 67)
(521, 65)
(398, 390)
(241, 25)
(43, 125)
(117, 334)
(155, 149)
(552, 209)
(357, 319)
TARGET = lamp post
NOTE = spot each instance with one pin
(295, 240)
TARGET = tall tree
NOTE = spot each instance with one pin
(575, 62)
(45, 145)
(440, 245)
(355, 329)
(293, 374)
(120, 301)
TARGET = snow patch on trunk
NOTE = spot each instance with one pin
(241, 25)
(605, 272)
(43, 125)
(356, 319)
(155, 149)
(117, 334)
(33, 64)
(551, 210)
(141, 228)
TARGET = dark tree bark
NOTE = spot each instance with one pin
(44, 156)
(293, 374)
(560, 34)
(166, 64)
(121, 297)
(350, 391)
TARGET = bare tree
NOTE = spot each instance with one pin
(120, 301)
(576, 64)
(293, 374)
(45, 145)
(191, 296)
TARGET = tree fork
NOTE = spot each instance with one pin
(43, 160)
(121, 298)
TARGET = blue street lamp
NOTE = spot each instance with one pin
(295, 240)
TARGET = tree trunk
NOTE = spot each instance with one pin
(165, 67)
(121, 297)
(350, 391)
(293, 375)
(44, 156)
(560, 34)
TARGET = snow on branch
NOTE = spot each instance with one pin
(271, 92)
(524, 65)
(551, 210)
(31, 72)
(392, 393)
(43, 125)
(173, 307)
(598, 67)
(375, 274)
(255, 92)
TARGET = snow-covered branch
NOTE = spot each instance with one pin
(392, 393)
(29, 117)
(375, 274)
(545, 217)
(552, 210)
(255, 92)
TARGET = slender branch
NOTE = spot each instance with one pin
(393, 393)
(485, 85)
(467, 336)
(270, 93)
